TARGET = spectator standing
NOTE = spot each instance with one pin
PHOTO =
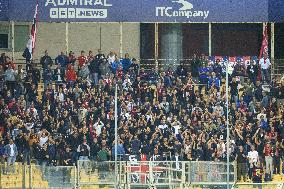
(136, 66)
(90, 57)
(62, 59)
(234, 90)
(253, 159)
(47, 76)
(2, 156)
(10, 78)
(257, 174)
(11, 153)
(252, 71)
(268, 161)
(203, 78)
(181, 72)
(195, 64)
(35, 74)
(58, 75)
(67, 161)
(71, 58)
(111, 57)
(3, 59)
(104, 69)
(82, 60)
(265, 65)
(120, 150)
(217, 68)
(84, 151)
(100, 55)
(126, 63)
(46, 60)
(114, 66)
(241, 159)
(71, 75)
(84, 72)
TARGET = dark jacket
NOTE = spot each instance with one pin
(45, 61)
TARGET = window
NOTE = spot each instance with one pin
(3, 41)
(21, 37)
(236, 39)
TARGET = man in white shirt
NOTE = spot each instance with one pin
(98, 126)
(265, 65)
(253, 158)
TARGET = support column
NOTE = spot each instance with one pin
(100, 35)
(272, 48)
(13, 40)
(67, 37)
(171, 45)
(210, 40)
(121, 41)
(156, 47)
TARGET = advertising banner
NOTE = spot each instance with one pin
(142, 10)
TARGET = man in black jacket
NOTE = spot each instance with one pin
(195, 64)
(252, 71)
(67, 161)
(46, 60)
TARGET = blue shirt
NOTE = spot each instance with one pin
(126, 62)
(114, 66)
(62, 60)
(214, 80)
(203, 72)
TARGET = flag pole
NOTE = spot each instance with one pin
(13, 41)
(272, 50)
(116, 138)
(227, 124)
(210, 39)
(36, 25)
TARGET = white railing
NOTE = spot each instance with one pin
(155, 173)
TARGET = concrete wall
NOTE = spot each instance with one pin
(84, 36)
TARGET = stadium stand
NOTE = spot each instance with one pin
(62, 110)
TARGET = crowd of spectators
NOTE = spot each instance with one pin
(161, 115)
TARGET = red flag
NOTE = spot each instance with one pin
(264, 48)
(28, 53)
(34, 29)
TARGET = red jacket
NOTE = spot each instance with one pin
(71, 75)
(82, 60)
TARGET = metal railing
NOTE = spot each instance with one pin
(154, 173)
(131, 174)
(278, 68)
(38, 176)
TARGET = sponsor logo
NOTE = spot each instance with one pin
(185, 10)
(78, 8)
